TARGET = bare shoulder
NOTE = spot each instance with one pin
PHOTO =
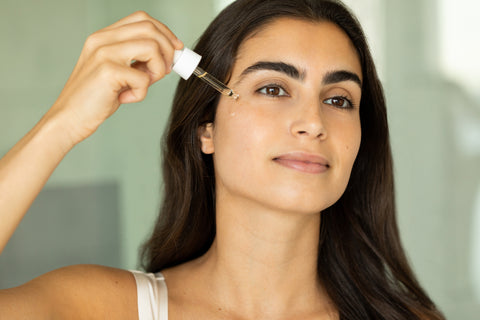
(74, 292)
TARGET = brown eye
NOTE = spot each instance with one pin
(339, 102)
(273, 91)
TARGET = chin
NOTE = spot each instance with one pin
(304, 197)
(303, 204)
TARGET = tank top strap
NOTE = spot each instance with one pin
(152, 295)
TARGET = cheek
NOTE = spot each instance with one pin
(352, 139)
(238, 137)
(357, 139)
(345, 137)
(241, 124)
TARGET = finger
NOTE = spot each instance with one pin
(132, 84)
(143, 16)
(135, 31)
(142, 50)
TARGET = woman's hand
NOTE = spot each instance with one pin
(116, 66)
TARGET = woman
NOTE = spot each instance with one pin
(278, 205)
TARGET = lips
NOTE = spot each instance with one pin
(303, 162)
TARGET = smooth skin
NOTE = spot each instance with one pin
(262, 264)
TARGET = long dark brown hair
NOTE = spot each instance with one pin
(361, 261)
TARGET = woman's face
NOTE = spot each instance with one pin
(289, 142)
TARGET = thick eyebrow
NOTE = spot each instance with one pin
(291, 71)
(282, 67)
(341, 75)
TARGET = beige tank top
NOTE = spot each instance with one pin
(152, 296)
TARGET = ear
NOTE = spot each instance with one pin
(205, 133)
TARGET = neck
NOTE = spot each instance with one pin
(263, 255)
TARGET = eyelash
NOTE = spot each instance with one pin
(349, 102)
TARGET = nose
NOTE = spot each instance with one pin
(309, 122)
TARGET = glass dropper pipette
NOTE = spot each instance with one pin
(185, 63)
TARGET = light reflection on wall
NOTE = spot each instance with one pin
(459, 48)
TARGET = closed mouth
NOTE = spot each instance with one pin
(304, 162)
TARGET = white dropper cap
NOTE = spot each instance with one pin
(185, 62)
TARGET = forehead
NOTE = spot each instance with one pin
(308, 45)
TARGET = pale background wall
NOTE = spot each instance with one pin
(426, 55)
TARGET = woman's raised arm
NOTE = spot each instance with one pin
(116, 66)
